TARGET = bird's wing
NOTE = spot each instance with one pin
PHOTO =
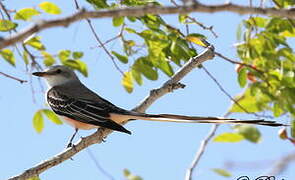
(83, 110)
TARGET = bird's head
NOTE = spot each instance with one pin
(57, 75)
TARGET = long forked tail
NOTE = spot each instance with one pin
(200, 119)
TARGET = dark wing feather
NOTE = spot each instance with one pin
(85, 111)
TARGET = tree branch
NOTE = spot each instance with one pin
(101, 133)
(140, 11)
(281, 164)
(14, 78)
(200, 152)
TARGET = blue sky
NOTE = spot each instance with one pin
(155, 150)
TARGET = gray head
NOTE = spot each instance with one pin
(57, 75)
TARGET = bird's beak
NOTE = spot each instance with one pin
(40, 74)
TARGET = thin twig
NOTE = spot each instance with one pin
(236, 101)
(140, 11)
(197, 22)
(101, 44)
(237, 62)
(12, 77)
(281, 165)
(202, 149)
(200, 152)
(98, 166)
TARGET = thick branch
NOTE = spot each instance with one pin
(140, 11)
(100, 134)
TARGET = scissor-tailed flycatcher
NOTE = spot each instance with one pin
(84, 109)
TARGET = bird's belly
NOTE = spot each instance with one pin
(77, 124)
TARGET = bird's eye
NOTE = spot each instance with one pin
(58, 71)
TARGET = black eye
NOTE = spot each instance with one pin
(58, 71)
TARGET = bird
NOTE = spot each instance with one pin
(83, 109)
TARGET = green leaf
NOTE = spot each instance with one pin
(118, 21)
(198, 39)
(229, 138)
(52, 116)
(26, 57)
(130, 30)
(78, 65)
(137, 76)
(6, 25)
(98, 4)
(250, 133)
(145, 67)
(50, 7)
(7, 54)
(127, 82)
(78, 54)
(182, 18)
(38, 121)
(35, 42)
(129, 176)
(123, 59)
(250, 103)
(293, 128)
(242, 77)
(26, 14)
(34, 178)
(131, 18)
(277, 110)
(222, 172)
(48, 58)
(64, 55)
(164, 65)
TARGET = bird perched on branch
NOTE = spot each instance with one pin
(83, 109)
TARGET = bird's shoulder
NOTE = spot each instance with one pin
(79, 92)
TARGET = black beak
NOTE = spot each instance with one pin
(39, 74)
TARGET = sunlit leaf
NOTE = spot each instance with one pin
(64, 55)
(77, 54)
(130, 30)
(7, 54)
(249, 102)
(98, 4)
(26, 14)
(136, 76)
(34, 178)
(145, 67)
(78, 65)
(35, 42)
(50, 7)
(52, 116)
(127, 82)
(118, 21)
(38, 122)
(277, 110)
(129, 176)
(242, 77)
(26, 57)
(249, 132)
(122, 58)
(229, 138)
(198, 39)
(6, 25)
(182, 18)
(48, 58)
(222, 172)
